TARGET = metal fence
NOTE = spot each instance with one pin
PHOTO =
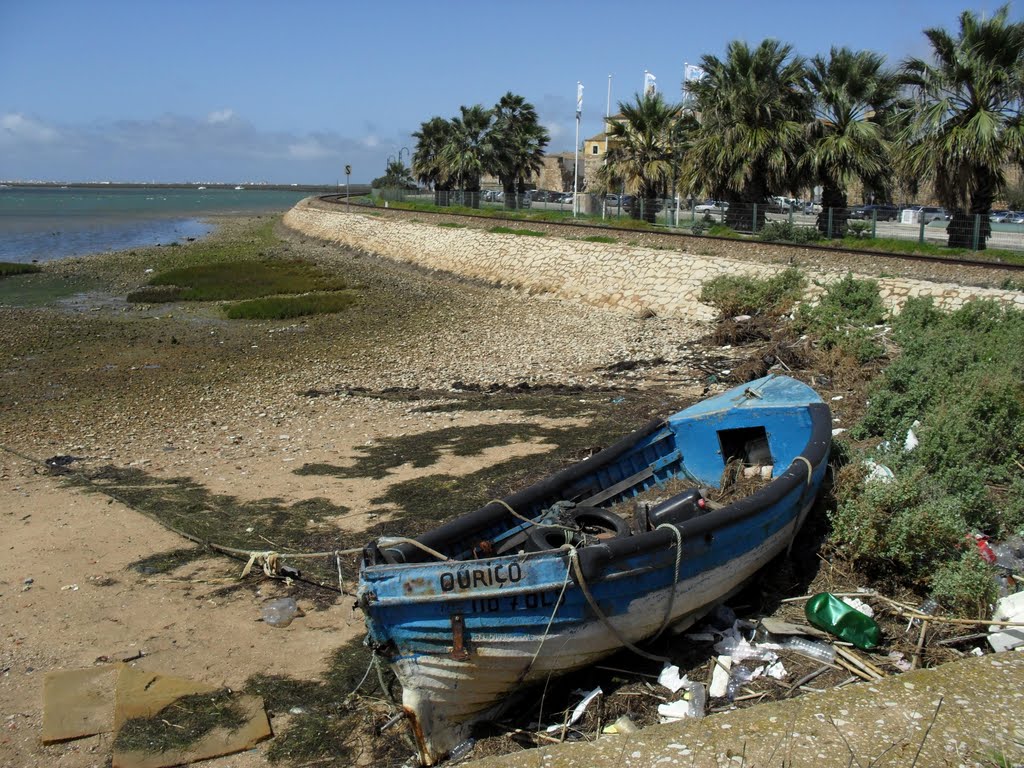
(803, 222)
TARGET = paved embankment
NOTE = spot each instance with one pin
(639, 272)
(967, 713)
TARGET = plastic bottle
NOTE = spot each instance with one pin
(281, 611)
(810, 648)
(698, 700)
(828, 612)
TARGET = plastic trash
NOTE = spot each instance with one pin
(813, 649)
(1010, 608)
(738, 677)
(624, 725)
(828, 612)
(280, 611)
(698, 700)
(878, 473)
(671, 679)
(720, 677)
(461, 749)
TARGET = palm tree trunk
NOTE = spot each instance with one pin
(834, 204)
(962, 224)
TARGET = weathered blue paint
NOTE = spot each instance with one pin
(484, 622)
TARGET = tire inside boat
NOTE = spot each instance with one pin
(593, 524)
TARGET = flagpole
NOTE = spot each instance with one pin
(576, 163)
(607, 125)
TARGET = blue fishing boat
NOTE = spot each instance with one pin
(573, 568)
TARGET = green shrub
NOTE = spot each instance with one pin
(900, 529)
(843, 317)
(734, 295)
(965, 586)
(858, 230)
(9, 268)
(961, 377)
(784, 231)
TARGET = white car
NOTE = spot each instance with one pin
(711, 206)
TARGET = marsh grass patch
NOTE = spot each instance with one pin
(181, 723)
(285, 307)
(234, 280)
(10, 268)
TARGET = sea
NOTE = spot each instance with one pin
(42, 223)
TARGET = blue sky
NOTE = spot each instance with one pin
(219, 90)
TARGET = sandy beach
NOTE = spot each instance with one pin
(178, 392)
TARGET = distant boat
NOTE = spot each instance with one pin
(568, 571)
(239, 187)
(200, 187)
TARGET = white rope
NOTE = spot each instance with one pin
(810, 469)
(528, 520)
(675, 578)
(574, 558)
(389, 542)
(547, 629)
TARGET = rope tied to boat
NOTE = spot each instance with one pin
(527, 520)
(389, 542)
(810, 469)
(675, 578)
(558, 603)
(585, 589)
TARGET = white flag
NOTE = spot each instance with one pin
(579, 99)
(650, 88)
(693, 72)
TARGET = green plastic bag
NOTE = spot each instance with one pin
(828, 612)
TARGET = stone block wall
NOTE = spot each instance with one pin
(634, 278)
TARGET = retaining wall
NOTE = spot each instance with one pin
(635, 278)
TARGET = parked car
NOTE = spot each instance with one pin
(877, 211)
(711, 206)
(929, 213)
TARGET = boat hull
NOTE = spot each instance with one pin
(465, 634)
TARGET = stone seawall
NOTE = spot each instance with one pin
(633, 276)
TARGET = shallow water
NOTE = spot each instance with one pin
(45, 223)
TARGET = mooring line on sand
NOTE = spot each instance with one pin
(270, 561)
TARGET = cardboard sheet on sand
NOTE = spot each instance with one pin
(85, 702)
(79, 702)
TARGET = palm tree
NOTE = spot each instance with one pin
(752, 107)
(431, 139)
(469, 153)
(855, 98)
(519, 141)
(640, 151)
(966, 125)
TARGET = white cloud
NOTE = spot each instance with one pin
(310, 149)
(220, 116)
(370, 141)
(15, 128)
